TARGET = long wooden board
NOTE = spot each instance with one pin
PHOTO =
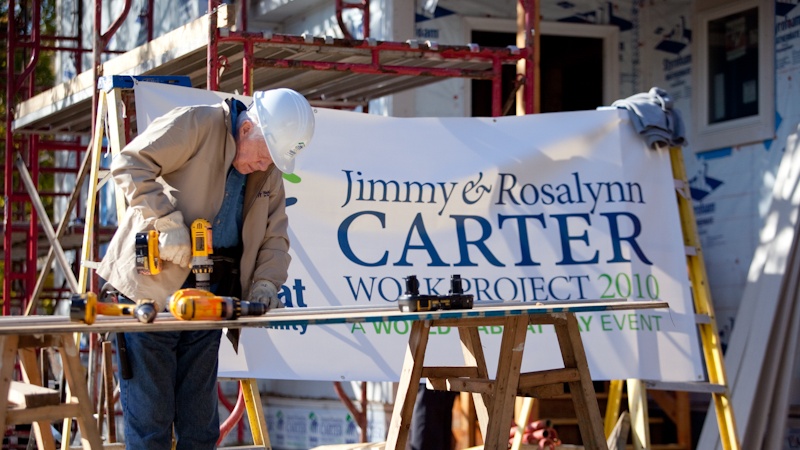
(33, 325)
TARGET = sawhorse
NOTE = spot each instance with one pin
(76, 405)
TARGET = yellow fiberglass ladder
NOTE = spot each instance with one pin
(717, 384)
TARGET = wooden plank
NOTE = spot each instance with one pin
(450, 372)
(476, 385)
(24, 395)
(472, 350)
(522, 418)
(38, 341)
(73, 372)
(548, 391)
(43, 325)
(583, 396)
(546, 377)
(640, 417)
(107, 369)
(44, 414)
(408, 385)
(618, 436)
(8, 359)
(509, 363)
(677, 408)
(29, 366)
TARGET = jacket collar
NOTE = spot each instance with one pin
(255, 183)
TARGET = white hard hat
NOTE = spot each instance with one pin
(287, 122)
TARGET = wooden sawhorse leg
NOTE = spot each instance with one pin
(77, 404)
(583, 396)
(409, 383)
(506, 381)
(474, 357)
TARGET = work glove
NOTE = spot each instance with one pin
(265, 292)
(173, 239)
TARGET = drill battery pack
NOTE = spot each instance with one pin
(148, 260)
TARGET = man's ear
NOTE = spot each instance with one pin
(246, 128)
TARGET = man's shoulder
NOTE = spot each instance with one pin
(198, 110)
(193, 115)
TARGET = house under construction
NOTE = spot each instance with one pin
(729, 67)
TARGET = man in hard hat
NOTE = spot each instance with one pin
(222, 163)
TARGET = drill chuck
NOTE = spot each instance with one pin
(253, 308)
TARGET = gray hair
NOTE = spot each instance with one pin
(248, 115)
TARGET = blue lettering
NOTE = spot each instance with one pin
(344, 241)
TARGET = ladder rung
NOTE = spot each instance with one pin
(702, 319)
(702, 387)
(103, 176)
(90, 264)
(682, 187)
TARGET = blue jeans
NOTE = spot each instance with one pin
(174, 384)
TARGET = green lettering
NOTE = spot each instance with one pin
(605, 323)
(658, 325)
(382, 327)
(634, 323)
(646, 322)
(358, 326)
(620, 325)
(496, 329)
(586, 320)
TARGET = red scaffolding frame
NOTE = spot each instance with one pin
(24, 45)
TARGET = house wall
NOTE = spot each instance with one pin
(732, 186)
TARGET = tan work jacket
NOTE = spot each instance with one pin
(180, 162)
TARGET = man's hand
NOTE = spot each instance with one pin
(265, 292)
(173, 239)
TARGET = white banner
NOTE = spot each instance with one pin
(538, 208)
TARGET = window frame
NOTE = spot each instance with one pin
(609, 34)
(745, 130)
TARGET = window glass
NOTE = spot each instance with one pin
(733, 66)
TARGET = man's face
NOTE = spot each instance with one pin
(251, 150)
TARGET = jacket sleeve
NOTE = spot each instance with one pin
(273, 258)
(163, 148)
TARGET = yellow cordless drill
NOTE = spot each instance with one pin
(148, 259)
(197, 304)
(202, 266)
